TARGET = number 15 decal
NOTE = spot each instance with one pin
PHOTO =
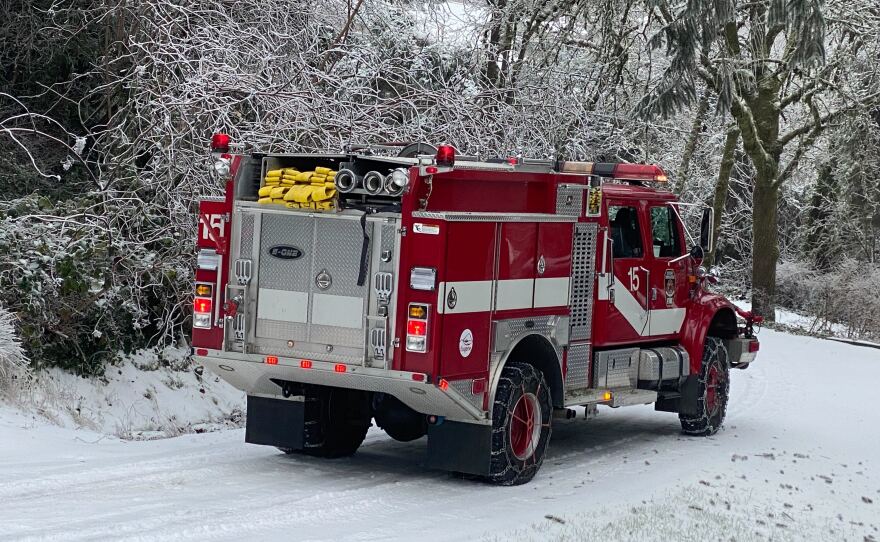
(634, 280)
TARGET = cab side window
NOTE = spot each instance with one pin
(625, 232)
(664, 232)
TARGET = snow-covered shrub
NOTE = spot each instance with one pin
(13, 361)
(846, 296)
(81, 290)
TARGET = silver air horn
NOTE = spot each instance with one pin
(346, 180)
(374, 182)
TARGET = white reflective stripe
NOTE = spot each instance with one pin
(337, 310)
(282, 305)
(663, 321)
(470, 296)
(514, 294)
(551, 292)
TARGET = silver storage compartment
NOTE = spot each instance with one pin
(617, 368)
(657, 365)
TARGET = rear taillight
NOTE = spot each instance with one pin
(203, 305)
(754, 346)
(417, 327)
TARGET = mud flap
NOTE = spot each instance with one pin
(275, 422)
(460, 447)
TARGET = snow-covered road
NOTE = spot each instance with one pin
(799, 458)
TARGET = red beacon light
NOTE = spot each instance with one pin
(220, 143)
(445, 156)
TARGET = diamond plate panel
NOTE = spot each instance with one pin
(246, 237)
(286, 229)
(578, 363)
(583, 279)
(277, 329)
(465, 389)
(569, 200)
(337, 249)
(617, 368)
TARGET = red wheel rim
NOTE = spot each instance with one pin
(713, 382)
(525, 426)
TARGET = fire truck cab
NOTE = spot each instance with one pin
(470, 301)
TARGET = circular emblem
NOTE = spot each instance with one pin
(323, 280)
(542, 265)
(451, 299)
(465, 343)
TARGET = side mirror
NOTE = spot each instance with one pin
(697, 252)
(707, 224)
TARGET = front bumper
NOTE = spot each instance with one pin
(251, 374)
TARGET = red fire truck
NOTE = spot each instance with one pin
(472, 301)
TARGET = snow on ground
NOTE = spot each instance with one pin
(146, 395)
(798, 459)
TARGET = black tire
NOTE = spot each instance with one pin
(517, 446)
(712, 392)
(336, 421)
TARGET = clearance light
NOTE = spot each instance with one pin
(443, 385)
(430, 170)
(340, 368)
(201, 352)
(754, 346)
(607, 396)
(271, 360)
(305, 363)
(418, 377)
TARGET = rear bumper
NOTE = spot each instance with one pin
(742, 351)
(250, 373)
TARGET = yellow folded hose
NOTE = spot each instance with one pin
(313, 190)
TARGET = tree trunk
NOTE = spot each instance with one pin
(691, 144)
(765, 247)
(721, 189)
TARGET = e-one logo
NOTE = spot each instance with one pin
(285, 252)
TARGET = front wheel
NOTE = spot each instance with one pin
(712, 392)
(521, 418)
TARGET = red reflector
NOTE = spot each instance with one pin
(220, 143)
(443, 385)
(305, 363)
(479, 386)
(201, 352)
(445, 156)
(340, 368)
(754, 346)
(430, 170)
(416, 327)
(272, 360)
(418, 377)
(202, 304)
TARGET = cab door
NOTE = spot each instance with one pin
(668, 294)
(627, 291)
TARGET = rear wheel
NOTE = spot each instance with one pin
(336, 421)
(521, 418)
(712, 392)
